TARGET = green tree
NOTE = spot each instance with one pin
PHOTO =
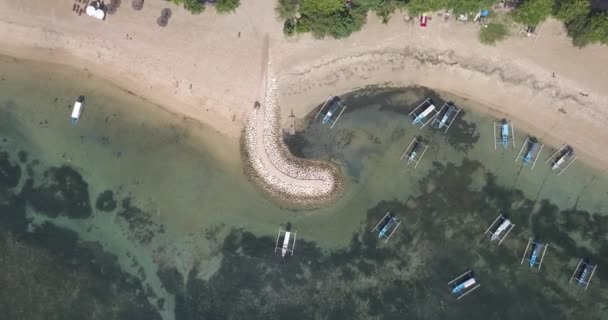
(194, 6)
(568, 10)
(470, 6)
(492, 33)
(321, 7)
(289, 27)
(286, 9)
(416, 7)
(589, 29)
(533, 12)
(225, 6)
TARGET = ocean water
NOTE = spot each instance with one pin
(137, 213)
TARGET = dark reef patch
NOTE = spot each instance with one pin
(105, 201)
(141, 225)
(10, 173)
(63, 192)
(405, 278)
(463, 135)
(47, 272)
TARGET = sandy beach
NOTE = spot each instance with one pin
(212, 68)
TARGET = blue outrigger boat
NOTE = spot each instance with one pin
(504, 133)
(583, 273)
(532, 145)
(536, 255)
(387, 226)
(333, 107)
(412, 156)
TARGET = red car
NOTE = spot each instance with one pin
(423, 20)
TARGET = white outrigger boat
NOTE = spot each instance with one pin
(464, 284)
(77, 110)
(289, 243)
(562, 159)
(428, 113)
(499, 233)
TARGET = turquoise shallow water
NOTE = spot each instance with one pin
(127, 216)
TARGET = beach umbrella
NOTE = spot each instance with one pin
(113, 6)
(137, 4)
(90, 11)
(99, 14)
(162, 21)
(166, 12)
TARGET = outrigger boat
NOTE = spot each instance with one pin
(537, 254)
(428, 111)
(414, 151)
(451, 110)
(76, 110)
(387, 226)
(502, 227)
(563, 158)
(532, 145)
(334, 108)
(448, 114)
(530, 156)
(464, 284)
(583, 273)
(534, 255)
(289, 243)
(500, 233)
(504, 133)
(421, 116)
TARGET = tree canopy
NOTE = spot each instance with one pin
(198, 6)
(533, 12)
(589, 29)
(226, 6)
(568, 10)
(194, 6)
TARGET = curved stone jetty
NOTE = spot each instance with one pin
(293, 182)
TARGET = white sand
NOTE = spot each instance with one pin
(199, 66)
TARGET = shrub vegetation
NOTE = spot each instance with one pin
(492, 33)
(198, 6)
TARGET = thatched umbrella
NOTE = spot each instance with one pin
(162, 21)
(137, 4)
(166, 12)
(113, 6)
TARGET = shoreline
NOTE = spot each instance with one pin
(164, 66)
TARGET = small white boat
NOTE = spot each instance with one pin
(503, 226)
(76, 110)
(285, 247)
(424, 113)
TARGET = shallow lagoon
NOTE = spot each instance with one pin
(144, 217)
